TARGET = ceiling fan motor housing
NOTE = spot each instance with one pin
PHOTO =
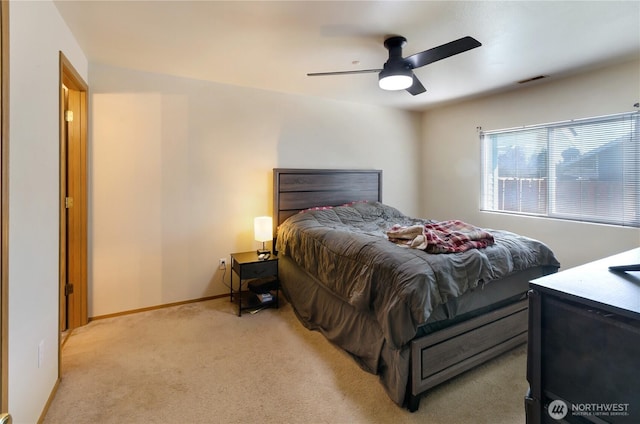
(397, 73)
(395, 67)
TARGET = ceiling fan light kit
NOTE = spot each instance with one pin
(397, 73)
(395, 80)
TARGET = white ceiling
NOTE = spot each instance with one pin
(272, 45)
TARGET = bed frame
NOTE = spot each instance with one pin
(437, 356)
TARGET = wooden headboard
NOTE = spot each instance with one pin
(298, 189)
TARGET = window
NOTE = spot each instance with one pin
(584, 170)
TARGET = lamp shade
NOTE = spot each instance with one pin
(263, 228)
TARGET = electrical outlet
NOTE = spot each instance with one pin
(222, 263)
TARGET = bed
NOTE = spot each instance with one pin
(415, 319)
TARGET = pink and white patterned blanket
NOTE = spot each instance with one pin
(451, 236)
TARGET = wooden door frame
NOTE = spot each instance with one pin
(4, 209)
(78, 314)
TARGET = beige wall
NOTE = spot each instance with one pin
(37, 35)
(180, 167)
(451, 155)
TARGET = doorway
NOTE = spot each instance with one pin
(73, 197)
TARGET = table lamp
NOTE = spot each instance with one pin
(263, 231)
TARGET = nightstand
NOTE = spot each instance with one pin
(261, 277)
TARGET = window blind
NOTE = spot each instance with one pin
(583, 170)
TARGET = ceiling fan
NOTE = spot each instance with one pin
(397, 73)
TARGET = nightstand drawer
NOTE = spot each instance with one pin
(257, 270)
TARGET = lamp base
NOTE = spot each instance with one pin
(262, 251)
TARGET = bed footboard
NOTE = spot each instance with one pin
(444, 354)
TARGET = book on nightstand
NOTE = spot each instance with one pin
(264, 297)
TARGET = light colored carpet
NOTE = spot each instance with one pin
(200, 363)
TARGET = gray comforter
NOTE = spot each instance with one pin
(346, 248)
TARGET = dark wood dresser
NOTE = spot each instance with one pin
(583, 363)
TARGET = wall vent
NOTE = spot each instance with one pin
(539, 77)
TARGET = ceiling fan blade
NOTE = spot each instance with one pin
(442, 52)
(417, 87)
(361, 71)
